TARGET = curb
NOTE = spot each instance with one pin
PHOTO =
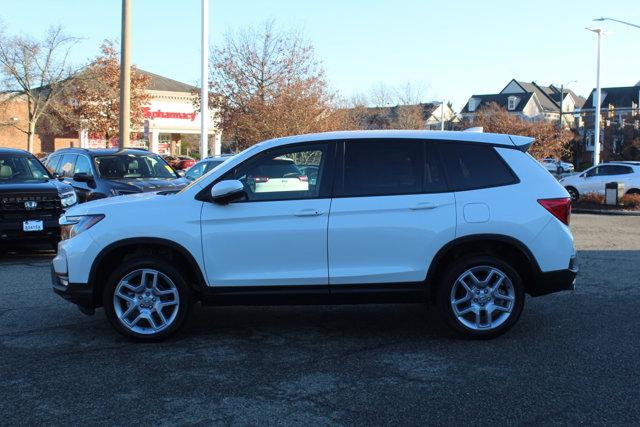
(605, 212)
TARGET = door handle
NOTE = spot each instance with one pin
(424, 206)
(308, 212)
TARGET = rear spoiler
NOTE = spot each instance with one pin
(522, 143)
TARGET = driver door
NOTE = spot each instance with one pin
(277, 236)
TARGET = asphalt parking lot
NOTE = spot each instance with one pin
(574, 357)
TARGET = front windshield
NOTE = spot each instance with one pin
(20, 168)
(133, 166)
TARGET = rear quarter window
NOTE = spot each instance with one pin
(474, 166)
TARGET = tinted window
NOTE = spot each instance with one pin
(618, 170)
(52, 163)
(376, 168)
(83, 166)
(278, 175)
(434, 180)
(472, 166)
(66, 166)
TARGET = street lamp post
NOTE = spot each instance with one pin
(596, 136)
(617, 20)
(125, 76)
(204, 82)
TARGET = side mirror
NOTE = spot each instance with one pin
(225, 192)
(82, 177)
(57, 176)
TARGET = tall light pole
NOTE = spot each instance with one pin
(125, 76)
(442, 115)
(596, 136)
(204, 79)
(617, 20)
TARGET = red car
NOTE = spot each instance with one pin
(180, 163)
(185, 162)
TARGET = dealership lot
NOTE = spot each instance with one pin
(574, 357)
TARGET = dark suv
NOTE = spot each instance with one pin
(96, 174)
(31, 200)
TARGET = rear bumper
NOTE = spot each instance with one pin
(555, 281)
(80, 294)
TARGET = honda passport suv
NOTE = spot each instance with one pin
(466, 221)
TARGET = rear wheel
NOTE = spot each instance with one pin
(573, 193)
(481, 297)
(147, 299)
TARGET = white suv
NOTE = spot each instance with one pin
(467, 221)
(594, 179)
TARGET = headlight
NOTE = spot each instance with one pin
(68, 199)
(73, 225)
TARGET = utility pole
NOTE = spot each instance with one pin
(125, 76)
(596, 136)
(442, 115)
(561, 105)
(204, 85)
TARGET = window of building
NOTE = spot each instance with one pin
(472, 166)
(472, 104)
(512, 102)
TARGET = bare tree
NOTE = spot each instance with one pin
(36, 70)
(267, 83)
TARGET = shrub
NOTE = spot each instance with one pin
(631, 201)
(592, 198)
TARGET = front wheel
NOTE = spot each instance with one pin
(481, 297)
(147, 299)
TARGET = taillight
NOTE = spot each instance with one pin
(303, 178)
(261, 178)
(560, 208)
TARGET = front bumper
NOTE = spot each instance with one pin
(555, 281)
(80, 294)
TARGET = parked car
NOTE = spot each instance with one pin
(557, 166)
(96, 174)
(180, 163)
(205, 165)
(594, 179)
(466, 221)
(32, 200)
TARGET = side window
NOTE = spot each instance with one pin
(386, 167)
(66, 166)
(196, 171)
(434, 180)
(619, 170)
(592, 172)
(278, 175)
(471, 166)
(83, 165)
(51, 163)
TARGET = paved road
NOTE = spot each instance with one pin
(573, 358)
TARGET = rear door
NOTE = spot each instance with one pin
(390, 214)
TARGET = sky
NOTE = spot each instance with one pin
(450, 49)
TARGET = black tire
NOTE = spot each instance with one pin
(163, 266)
(446, 285)
(573, 192)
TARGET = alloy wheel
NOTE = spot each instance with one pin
(482, 298)
(146, 301)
